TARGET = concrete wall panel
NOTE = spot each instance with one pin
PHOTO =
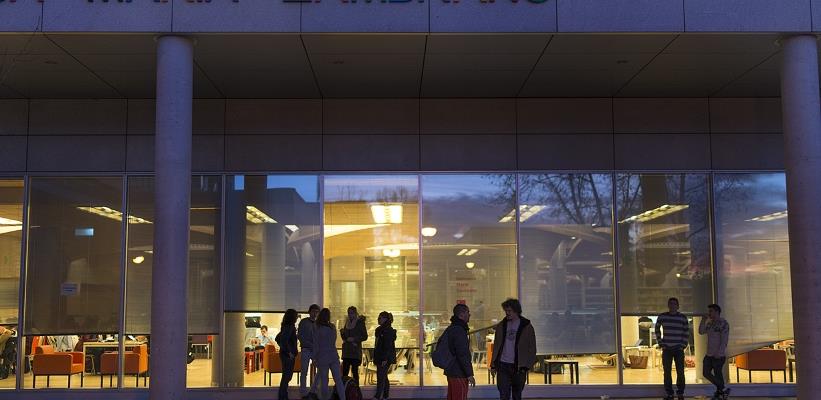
(208, 117)
(20, 16)
(564, 116)
(370, 152)
(370, 116)
(106, 16)
(762, 115)
(86, 153)
(468, 152)
(620, 16)
(208, 153)
(273, 152)
(361, 16)
(457, 116)
(565, 152)
(747, 15)
(747, 152)
(662, 151)
(14, 117)
(229, 16)
(77, 117)
(661, 116)
(263, 117)
(13, 153)
(476, 16)
(139, 153)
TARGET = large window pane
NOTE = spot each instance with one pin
(372, 259)
(11, 234)
(73, 267)
(471, 257)
(754, 265)
(272, 263)
(203, 271)
(566, 261)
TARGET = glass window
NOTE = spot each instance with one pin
(754, 267)
(566, 267)
(272, 264)
(469, 255)
(372, 259)
(203, 273)
(11, 236)
(73, 292)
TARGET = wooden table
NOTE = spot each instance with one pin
(547, 364)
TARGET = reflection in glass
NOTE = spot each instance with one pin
(272, 261)
(11, 236)
(754, 265)
(471, 258)
(372, 259)
(664, 242)
(566, 262)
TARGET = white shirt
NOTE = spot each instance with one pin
(509, 351)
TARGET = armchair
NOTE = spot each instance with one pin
(48, 362)
(271, 364)
(135, 363)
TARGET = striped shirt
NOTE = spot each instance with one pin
(676, 330)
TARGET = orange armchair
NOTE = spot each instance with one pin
(761, 360)
(271, 364)
(48, 362)
(135, 363)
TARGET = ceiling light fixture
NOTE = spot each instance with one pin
(462, 252)
(392, 253)
(293, 228)
(657, 212)
(769, 217)
(113, 214)
(428, 231)
(525, 213)
(138, 260)
(471, 252)
(387, 213)
(470, 265)
(255, 216)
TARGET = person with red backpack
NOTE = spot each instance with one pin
(452, 354)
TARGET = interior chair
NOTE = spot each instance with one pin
(48, 362)
(761, 360)
(135, 363)
(271, 364)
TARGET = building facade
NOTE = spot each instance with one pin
(176, 174)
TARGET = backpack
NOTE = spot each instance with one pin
(352, 391)
(442, 357)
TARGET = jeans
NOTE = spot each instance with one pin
(287, 374)
(322, 379)
(667, 358)
(713, 371)
(349, 364)
(306, 355)
(383, 385)
(510, 381)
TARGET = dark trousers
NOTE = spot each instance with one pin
(287, 374)
(713, 371)
(349, 364)
(383, 385)
(510, 381)
(667, 358)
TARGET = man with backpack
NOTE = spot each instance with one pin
(514, 351)
(452, 354)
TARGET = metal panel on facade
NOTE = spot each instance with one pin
(370, 152)
(20, 16)
(366, 16)
(234, 16)
(748, 15)
(107, 16)
(493, 16)
(620, 16)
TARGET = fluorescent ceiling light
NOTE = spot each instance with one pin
(386, 213)
(428, 231)
(10, 228)
(472, 252)
(658, 212)
(333, 230)
(769, 217)
(293, 228)
(462, 252)
(6, 221)
(255, 216)
(391, 253)
(113, 214)
(397, 246)
(525, 213)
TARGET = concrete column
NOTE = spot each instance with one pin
(172, 165)
(801, 109)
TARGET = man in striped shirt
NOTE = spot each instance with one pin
(673, 335)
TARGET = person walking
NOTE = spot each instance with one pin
(286, 339)
(673, 341)
(353, 334)
(384, 354)
(515, 351)
(717, 330)
(460, 370)
(326, 358)
(305, 334)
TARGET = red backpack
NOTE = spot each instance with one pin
(352, 391)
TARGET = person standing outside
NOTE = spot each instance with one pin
(305, 334)
(384, 354)
(353, 334)
(326, 358)
(717, 330)
(676, 335)
(515, 352)
(286, 339)
(460, 371)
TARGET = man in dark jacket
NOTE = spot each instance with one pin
(460, 371)
(514, 351)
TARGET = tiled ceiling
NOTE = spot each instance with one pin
(399, 65)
